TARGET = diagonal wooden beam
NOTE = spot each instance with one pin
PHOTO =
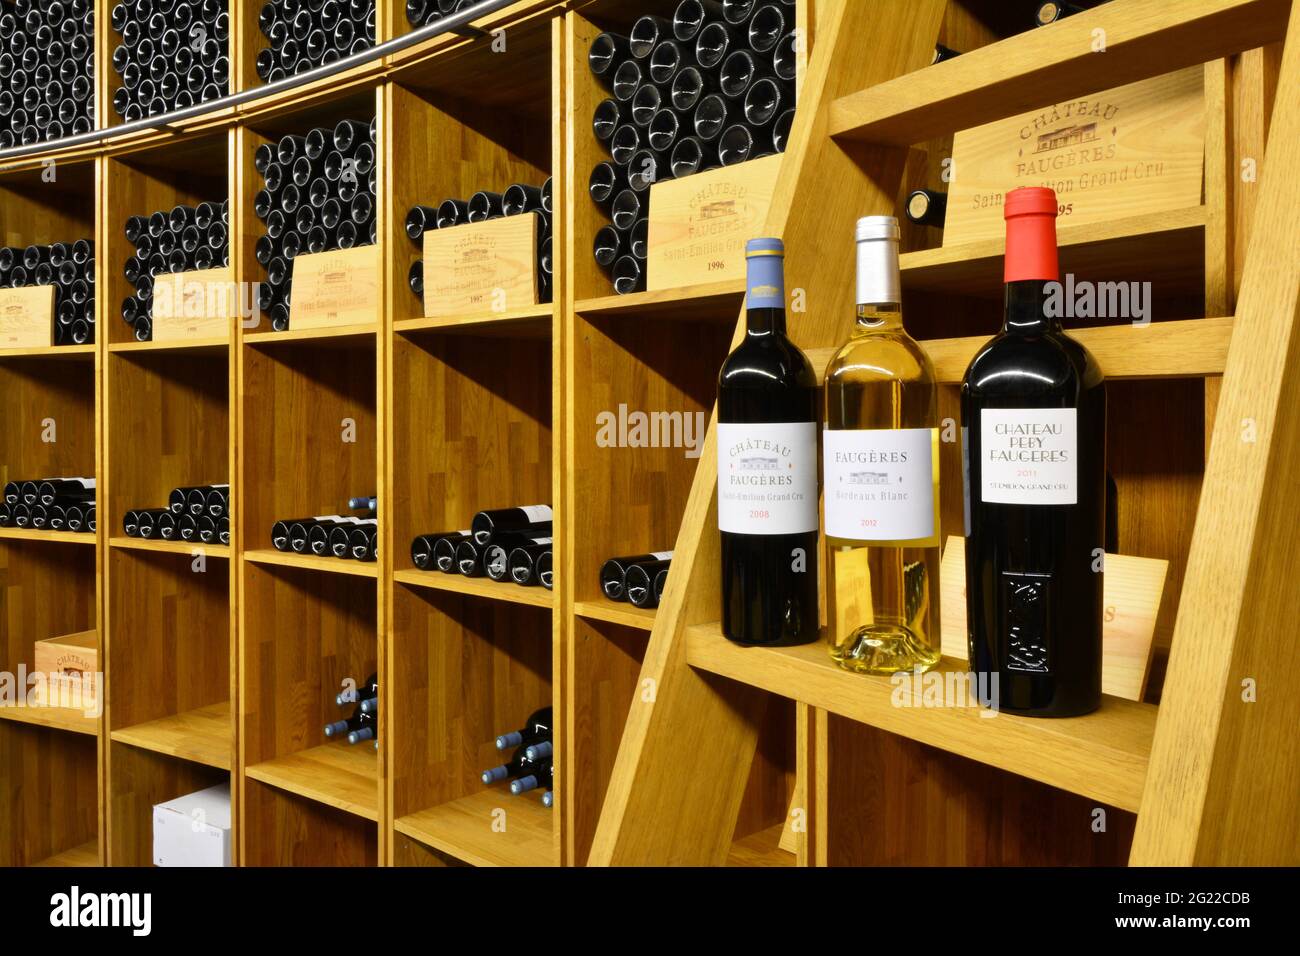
(1223, 785)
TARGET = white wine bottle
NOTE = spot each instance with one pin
(881, 466)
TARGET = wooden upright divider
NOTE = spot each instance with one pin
(167, 605)
(49, 756)
(470, 408)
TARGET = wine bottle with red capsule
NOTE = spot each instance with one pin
(1034, 432)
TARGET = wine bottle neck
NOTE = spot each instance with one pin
(1025, 309)
(765, 322)
(879, 317)
(765, 289)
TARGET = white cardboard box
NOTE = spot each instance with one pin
(193, 830)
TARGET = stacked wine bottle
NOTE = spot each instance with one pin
(70, 268)
(50, 504)
(503, 544)
(363, 724)
(638, 579)
(518, 200)
(348, 537)
(319, 194)
(307, 35)
(183, 239)
(47, 80)
(531, 766)
(171, 54)
(712, 87)
(193, 513)
(422, 12)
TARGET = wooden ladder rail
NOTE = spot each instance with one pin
(1223, 780)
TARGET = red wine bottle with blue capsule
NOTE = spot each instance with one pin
(767, 470)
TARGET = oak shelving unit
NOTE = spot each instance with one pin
(759, 757)
(49, 757)
(877, 783)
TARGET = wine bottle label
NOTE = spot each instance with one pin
(1029, 456)
(537, 513)
(767, 477)
(661, 555)
(880, 483)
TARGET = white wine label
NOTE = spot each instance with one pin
(1029, 456)
(880, 483)
(536, 513)
(661, 555)
(767, 477)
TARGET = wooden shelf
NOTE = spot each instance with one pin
(761, 849)
(1190, 348)
(65, 537)
(59, 718)
(312, 562)
(85, 855)
(1166, 249)
(1144, 38)
(202, 735)
(717, 301)
(338, 774)
(339, 336)
(464, 829)
(76, 353)
(616, 613)
(478, 587)
(212, 345)
(1102, 756)
(170, 547)
(531, 322)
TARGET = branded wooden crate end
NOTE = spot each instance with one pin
(699, 224)
(199, 304)
(339, 287)
(481, 267)
(27, 317)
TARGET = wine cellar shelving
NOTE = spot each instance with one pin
(222, 662)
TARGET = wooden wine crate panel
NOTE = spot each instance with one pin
(481, 267)
(1131, 596)
(27, 317)
(1129, 151)
(70, 664)
(194, 305)
(699, 225)
(340, 287)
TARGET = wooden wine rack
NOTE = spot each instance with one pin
(224, 669)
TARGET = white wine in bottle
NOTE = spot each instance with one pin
(881, 466)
